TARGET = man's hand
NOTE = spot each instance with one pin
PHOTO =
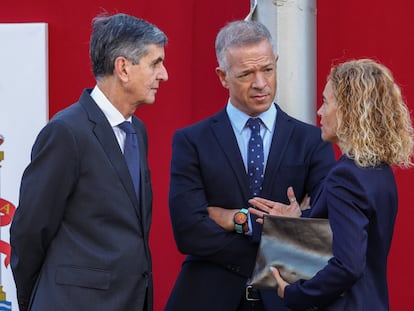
(222, 216)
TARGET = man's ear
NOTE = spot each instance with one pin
(222, 76)
(121, 68)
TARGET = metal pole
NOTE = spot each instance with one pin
(292, 24)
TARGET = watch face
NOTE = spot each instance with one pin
(240, 218)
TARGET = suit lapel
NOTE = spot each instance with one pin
(224, 134)
(105, 135)
(280, 140)
(143, 167)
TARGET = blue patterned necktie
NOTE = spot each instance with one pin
(255, 157)
(131, 153)
(255, 167)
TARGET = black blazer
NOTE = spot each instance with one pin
(207, 170)
(79, 236)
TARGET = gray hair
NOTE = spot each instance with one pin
(239, 33)
(120, 35)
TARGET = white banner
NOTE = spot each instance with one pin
(23, 112)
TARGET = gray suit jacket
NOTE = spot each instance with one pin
(79, 236)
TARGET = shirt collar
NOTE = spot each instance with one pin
(239, 118)
(111, 113)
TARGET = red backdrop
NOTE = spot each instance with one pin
(346, 29)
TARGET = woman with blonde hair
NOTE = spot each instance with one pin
(364, 114)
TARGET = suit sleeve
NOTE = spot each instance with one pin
(349, 219)
(195, 232)
(45, 187)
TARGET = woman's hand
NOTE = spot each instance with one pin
(263, 206)
(281, 283)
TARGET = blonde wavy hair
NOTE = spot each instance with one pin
(374, 124)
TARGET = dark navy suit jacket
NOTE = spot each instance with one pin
(79, 236)
(207, 170)
(361, 204)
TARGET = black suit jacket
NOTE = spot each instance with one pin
(79, 236)
(207, 170)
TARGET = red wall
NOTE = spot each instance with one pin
(346, 29)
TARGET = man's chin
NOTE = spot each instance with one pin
(148, 101)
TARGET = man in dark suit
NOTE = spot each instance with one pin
(80, 233)
(210, 184)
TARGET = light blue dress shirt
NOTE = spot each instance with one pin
(242, 132)
(238, 121)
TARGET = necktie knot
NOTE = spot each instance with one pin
(254, 125)
(127, 127)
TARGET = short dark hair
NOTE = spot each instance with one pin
(120, 35)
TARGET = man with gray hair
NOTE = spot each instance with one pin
(250, 148)
(79, 236)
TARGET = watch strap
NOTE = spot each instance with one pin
(239, 228)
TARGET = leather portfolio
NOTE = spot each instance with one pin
(298, 247)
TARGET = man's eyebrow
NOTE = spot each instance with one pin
(158, 60)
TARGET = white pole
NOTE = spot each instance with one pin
(292, 24)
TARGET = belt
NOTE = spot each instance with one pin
(252, 294)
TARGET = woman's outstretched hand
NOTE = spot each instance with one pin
(264, 206)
